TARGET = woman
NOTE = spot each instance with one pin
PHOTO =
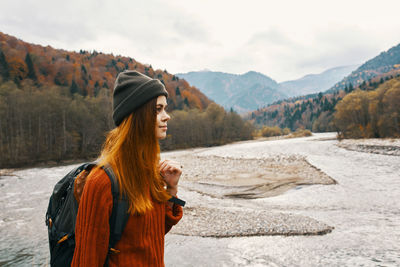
(132, 150)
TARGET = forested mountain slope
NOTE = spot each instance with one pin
(55, 105)
(85, 73)
(316, 112)
(385, 62)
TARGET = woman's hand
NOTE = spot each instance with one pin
(171, 172)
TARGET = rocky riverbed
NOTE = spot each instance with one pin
(351, 194)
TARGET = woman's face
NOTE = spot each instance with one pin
(162, 117)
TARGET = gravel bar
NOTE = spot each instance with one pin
(217, 189)
(219, 223)
(389, 146)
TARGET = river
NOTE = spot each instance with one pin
(363, 207)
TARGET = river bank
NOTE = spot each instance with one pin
(384, 146)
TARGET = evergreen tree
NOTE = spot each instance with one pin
(74, 88)
(351, 88)
(186, 102)
(83, 69)
(96, 88)
(4, 70)
(31, 69)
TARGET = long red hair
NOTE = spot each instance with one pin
(133, 152)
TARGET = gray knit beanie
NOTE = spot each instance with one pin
(131, 90)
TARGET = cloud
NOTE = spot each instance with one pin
(55, 22)
(270, 37)
(283, 56)
(182, 35)
(190, 30)
(340, 45)
(71, 32)
(272, 52)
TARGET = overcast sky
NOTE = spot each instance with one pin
(284, 39)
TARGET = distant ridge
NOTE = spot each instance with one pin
(253, 90)
(242, 92)
(383, 63)
(315, 83)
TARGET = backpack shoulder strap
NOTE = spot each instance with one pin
(177, 201)
(119, 215)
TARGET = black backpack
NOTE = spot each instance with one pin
(61, 216)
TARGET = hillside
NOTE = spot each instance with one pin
(370, 114)
(315, 83)
(315, 111)
(56, 106)
(85, 73)
(243, 92)
(385, 62)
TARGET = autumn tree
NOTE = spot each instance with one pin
(214, 126)
(370, 113)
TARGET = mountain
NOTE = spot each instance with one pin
(85, 73)
(368, 83)
(314, 83)
(385, 62)
(254, 90)
(243, 92)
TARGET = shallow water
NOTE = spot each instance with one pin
(363, 208)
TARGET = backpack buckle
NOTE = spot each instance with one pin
(49, 222)
(62, 239)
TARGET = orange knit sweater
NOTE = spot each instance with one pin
(142, 242)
